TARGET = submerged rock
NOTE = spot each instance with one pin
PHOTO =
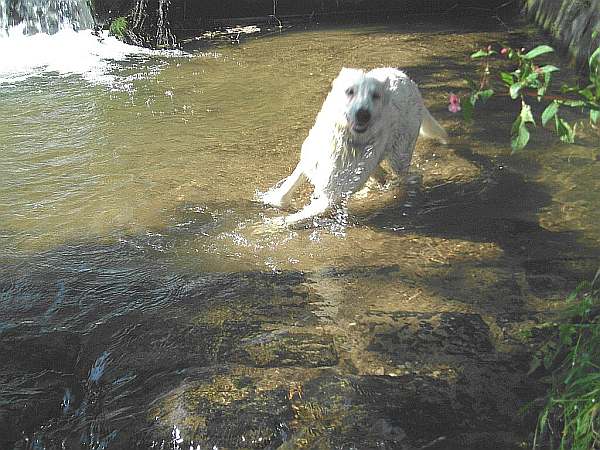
(283, 349)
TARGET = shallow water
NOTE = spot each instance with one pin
(139, 307)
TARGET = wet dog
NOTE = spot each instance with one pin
(367, 118)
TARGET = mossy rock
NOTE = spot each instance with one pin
(283, 349)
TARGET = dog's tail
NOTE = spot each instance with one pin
(432, 129)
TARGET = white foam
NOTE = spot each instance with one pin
(66, 52)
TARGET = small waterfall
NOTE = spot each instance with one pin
(164, 36)
(44, 16)
(48, 37)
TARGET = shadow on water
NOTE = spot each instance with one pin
(499, 207)
(114, 346)
(89, 343)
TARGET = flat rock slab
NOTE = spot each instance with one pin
(412, 336)
(283, 349)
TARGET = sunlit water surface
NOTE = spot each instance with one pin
(127, 220)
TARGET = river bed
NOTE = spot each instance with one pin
(139, 308)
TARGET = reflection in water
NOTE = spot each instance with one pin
(139, 307)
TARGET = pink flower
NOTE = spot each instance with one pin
(454, 105)
(504, 51)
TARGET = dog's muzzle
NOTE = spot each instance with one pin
(361, 122)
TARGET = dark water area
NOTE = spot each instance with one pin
(140, 310)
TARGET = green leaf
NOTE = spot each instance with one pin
(483, 53)
(479, 54)
(485, 95)
(544, 87)
(520, 133)
(118, 27)
(535, 364)
(593, 60)
(574, 103)
(515, 89)
(549, 112)
(515, 126)
(507, 78)
(565, 131)
(532, 80)
(526, 115)
(594, 116)
(548, 68)
(520, 138)
(539, 50)
(587, 93)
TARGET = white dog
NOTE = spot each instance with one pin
(368, 117)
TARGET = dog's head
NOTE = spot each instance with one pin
(364, 99)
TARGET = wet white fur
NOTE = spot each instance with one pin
(337, 159)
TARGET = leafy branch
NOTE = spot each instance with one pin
(528, 80)
(570, 417)
(118, 27)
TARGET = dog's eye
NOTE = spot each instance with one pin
(350, 92)
(376, 95)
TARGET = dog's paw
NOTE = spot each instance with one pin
(270, 198)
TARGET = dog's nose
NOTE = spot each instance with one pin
(363, 115)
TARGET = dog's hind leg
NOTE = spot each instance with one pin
(400, 155)
(280, 195)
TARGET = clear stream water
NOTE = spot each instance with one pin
(139, 307)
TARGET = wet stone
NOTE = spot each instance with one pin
(229, 411)
(410, 336)
(369, 412)
(548, 285)
(282, 349)
(28, 400)
(28, 347)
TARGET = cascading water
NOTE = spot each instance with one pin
(149, 25)
(164, 36)
(44, 16)
(44, 37)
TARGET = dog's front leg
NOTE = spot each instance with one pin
(316, 207)
(280, 195)
(376, 180)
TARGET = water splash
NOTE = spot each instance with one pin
(98, 368)
(66, 52)
(41, 37)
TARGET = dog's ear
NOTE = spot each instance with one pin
(346, 77)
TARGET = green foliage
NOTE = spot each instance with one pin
(570, 418)
(529, 80)
(519, 131)
(539, 50)
(118, 27)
